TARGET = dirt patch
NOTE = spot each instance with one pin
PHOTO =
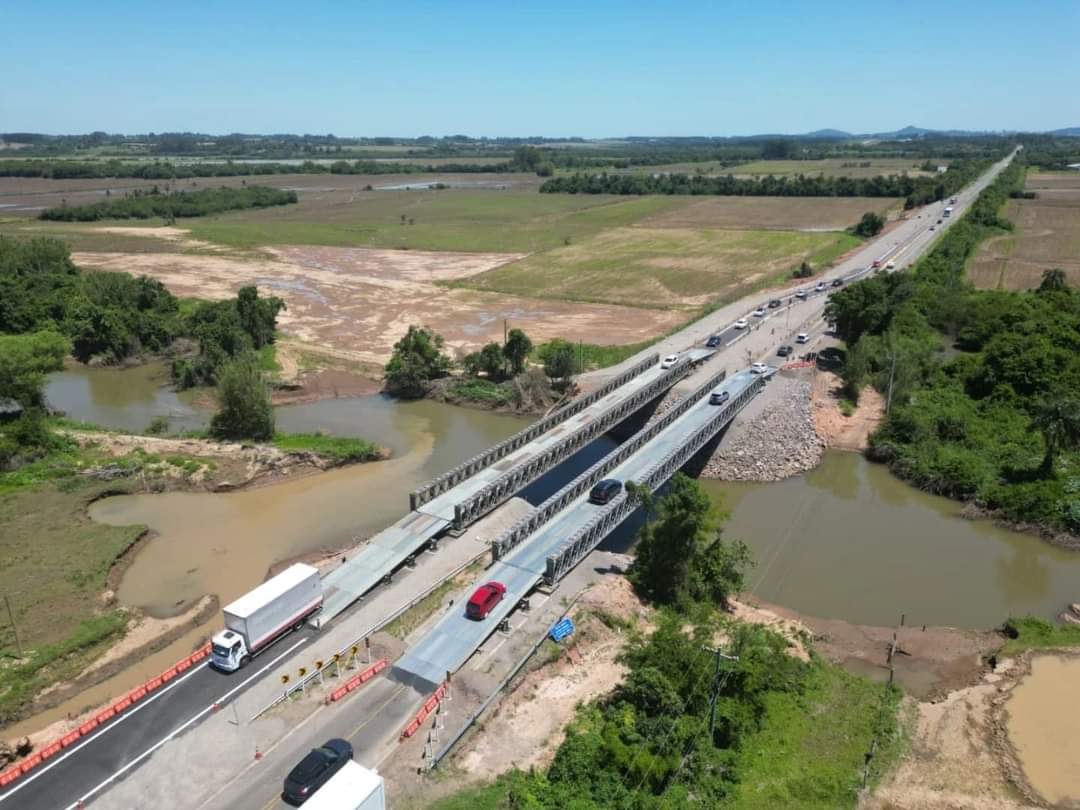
(840, 431)
(954, 760)
(357, 302)
(1047, 236)
(782, 213)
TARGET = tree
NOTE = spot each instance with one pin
(25, 360)
(258, 316)
(517, 348)
(1058, 420)
(870, 225)
(418, 359)
(1053, 281)
(492, 362)
(244, 399)
(804, 270)
(557, 355)
(681, 558)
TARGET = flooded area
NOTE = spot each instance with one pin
(1043, 724)
(850, 541)
(122, 398)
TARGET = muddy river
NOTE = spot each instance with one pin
(1044, 725)
(850, 541)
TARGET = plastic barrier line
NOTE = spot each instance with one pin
(132, 697)
(425, 711)
(358, 680)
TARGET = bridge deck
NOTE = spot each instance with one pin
(393, 545)
(455, 638)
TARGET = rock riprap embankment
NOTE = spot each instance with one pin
(778, 442)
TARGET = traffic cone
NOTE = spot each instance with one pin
(258, 753)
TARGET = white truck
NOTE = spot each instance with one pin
(259, 618)
(948, 211)
(354, 787)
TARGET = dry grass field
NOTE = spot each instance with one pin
(779, 213)
(662, 268)
(1047, 235)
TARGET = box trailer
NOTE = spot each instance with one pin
(259, 618)
(354, 787)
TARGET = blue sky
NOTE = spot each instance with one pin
(556, 68)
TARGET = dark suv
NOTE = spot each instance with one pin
(604, 491)
(314, 770)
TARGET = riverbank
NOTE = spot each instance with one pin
(63, 569)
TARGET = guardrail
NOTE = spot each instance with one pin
(561, 499)
(452, 478)
(589, 536)
(511, 482)
(350, 650)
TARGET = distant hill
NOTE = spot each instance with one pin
(1068, 132)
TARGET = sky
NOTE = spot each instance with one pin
(589, 68)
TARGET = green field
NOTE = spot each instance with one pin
(486, 221)
(663, 268)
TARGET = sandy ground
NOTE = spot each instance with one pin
(357, 302)
(959, 758)
(839, 431)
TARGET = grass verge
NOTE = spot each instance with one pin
(1030, 632)
(339, 448)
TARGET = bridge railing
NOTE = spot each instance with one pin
(585, 481)
(451, 478)
(589, 536)
(512, 481)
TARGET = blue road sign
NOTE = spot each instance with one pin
(561, 630)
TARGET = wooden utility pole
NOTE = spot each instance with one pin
(892, 376)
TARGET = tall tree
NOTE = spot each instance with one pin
(557, 356)
(418, 359)
(1058, 420)
(517, 348)
(1053, 280)
(244, 399)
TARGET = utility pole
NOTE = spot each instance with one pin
(506, 331)
(720, 656)
(14, 629)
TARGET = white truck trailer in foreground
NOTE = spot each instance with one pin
(259, 618)
(354, 787)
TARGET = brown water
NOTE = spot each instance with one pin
(122, 399)
(850, 541)
(224, 543)
(1044, 725)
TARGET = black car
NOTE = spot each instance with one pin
(713, 341)
(604, 491)
(774, 303)
(315, 770)
(837, 282)
(783, 351)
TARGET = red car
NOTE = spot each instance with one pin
(484, 600)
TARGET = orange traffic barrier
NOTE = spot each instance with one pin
(105, 715)
(154, 683)
(50, 750)
(122, 704)
(30, 763)
(425, 710)
(88, 726)
(358, 680)
(69, 738)
(10, 775)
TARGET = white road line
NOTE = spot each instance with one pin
(85, 797)
(57, 760)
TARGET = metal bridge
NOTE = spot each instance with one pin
(545, 545)
(463, 495)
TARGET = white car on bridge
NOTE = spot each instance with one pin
(669, 361)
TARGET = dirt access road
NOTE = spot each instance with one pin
(357, 302)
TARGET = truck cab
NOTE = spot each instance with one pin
(228, 652)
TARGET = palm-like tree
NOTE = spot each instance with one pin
(1053, 280)
(1058, 420)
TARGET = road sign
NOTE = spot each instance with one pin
(561, 630)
